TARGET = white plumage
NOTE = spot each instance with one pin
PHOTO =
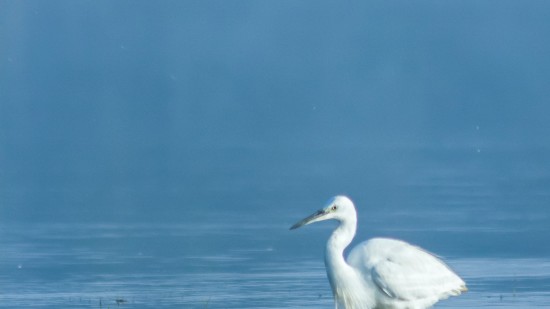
(380, 273)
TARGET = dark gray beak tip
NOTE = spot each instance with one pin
(308, 219)
(298, 224)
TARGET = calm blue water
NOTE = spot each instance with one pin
(237, 264)
(247, 258)
(157, 153)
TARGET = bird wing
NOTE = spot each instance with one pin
(405, 272)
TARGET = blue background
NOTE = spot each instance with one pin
(240, 116)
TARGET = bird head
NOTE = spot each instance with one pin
(339, 208)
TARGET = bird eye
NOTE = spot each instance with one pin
(334, 207)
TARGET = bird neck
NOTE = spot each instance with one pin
(337, 243)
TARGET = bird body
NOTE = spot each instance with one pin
(408, 276)
(380, 273)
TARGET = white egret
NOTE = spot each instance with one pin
(380, 273)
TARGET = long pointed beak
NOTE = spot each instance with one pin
(313, 218)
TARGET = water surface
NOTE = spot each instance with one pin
(156, 153)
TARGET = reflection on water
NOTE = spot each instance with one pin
(147, 266)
